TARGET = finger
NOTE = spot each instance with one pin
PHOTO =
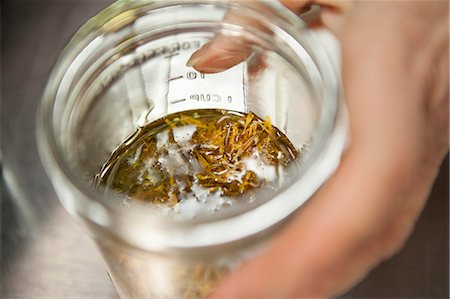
(332, 234)
(332, 12)
(366, 211)
(220, 54)
(299, 5)
(224, 52)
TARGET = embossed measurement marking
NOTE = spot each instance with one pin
(189, 89)
(177, 101)
(176, 78)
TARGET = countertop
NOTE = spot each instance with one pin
(45, 254)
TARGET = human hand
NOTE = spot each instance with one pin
(395, 72)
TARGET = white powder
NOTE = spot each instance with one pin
(162, 139)
(137, 155)
(197, 203)
(263, 170)
(183, 134)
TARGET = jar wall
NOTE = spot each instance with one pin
(123, 69)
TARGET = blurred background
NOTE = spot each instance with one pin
(45, 254)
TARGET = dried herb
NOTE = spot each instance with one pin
(225, 152)
(201, 279)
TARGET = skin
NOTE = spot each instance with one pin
(395, 73)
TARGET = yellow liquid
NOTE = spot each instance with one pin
(198, 154)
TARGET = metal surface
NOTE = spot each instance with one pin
(45, 254)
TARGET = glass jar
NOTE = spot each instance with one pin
(127, 67)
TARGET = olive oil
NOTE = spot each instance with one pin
(206, 155)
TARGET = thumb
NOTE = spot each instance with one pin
(223, 52)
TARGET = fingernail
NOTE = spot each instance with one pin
(192, 60)
(197, 56)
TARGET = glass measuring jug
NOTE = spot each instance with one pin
(127, 67)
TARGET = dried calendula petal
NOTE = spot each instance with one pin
(183, 154)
